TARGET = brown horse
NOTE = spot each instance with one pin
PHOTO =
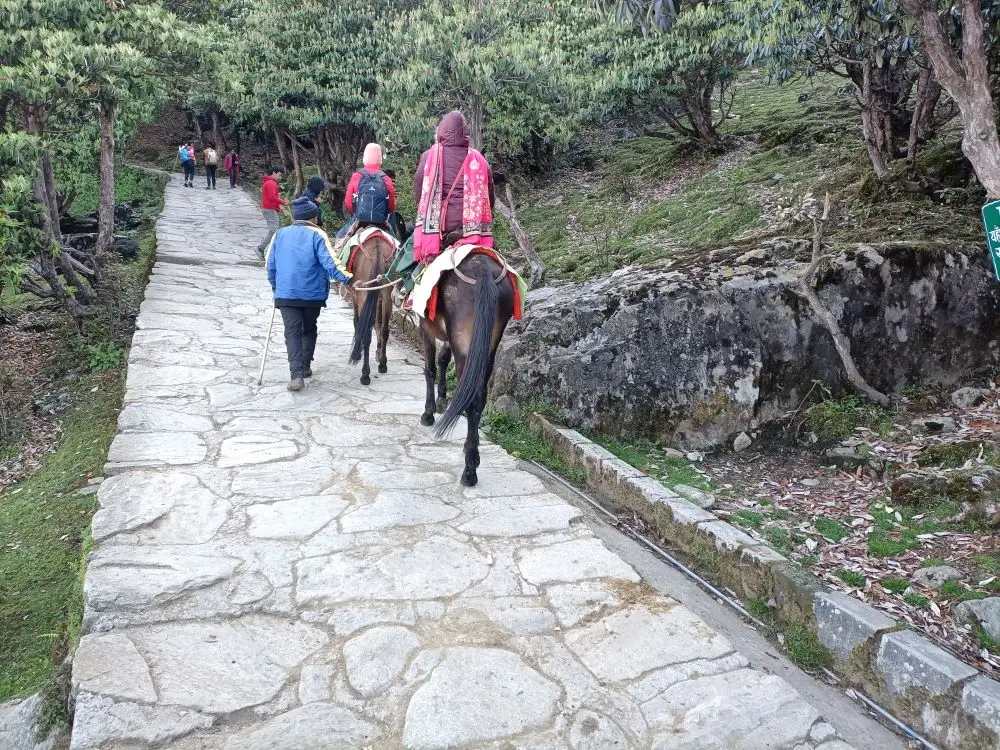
(475, 303)
(372, 309)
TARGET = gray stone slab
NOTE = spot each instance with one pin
(100, 722)
(981, 699)
(293, 519)
(521, 521)
(843, 623)
(147, 449)
(19, 725)
(377, 656)
(111, 665)
(315, 726)
(477, 695)
(396, 508)
(576, 560)
(907, 661)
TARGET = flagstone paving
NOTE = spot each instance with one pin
(303, 571)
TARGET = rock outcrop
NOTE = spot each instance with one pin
(694, 353)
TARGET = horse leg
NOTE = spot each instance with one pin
(444, 359)
(430, 372)
(473, 416)
(382, 326)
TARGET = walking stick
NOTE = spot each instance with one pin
(267, 341)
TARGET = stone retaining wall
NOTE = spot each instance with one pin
(943, 698)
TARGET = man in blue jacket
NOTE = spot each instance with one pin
(300, 265)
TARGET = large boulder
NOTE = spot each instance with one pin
(698, 351)
(984, 613)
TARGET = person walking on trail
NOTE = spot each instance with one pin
(270, 203)
(211, 157)
(185, 155)
(370, 196)
(301, 264)
(314, 189)
(232, 165)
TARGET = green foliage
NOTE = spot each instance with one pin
(835, 419)
(830, 529)
(895, 585)
(805, 649)
(104, 356)
(747, 519)
(521, 440)
(649, 459)
(881, 544)
(851, 578)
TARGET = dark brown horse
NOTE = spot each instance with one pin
(475, 303)
(372, 309)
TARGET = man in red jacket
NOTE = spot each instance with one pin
(270, 203)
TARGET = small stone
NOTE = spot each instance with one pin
(848, 457)
(753, 257)
(936, 576)
(984, 613)
(810, 482)
(673, 453)
(592, 731)
(477, 695)
(966, 398)
(85, 491)
(376, 657)
(742, 442)
(95, 480)
(694, 456)
(934, 425)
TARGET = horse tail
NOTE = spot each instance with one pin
(477, 363)
(366, 320)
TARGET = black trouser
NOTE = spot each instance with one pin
(210, 170)
(232, 177)
(300, 337)
(189, 171)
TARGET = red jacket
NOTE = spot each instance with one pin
(352, 188)
(269, 196)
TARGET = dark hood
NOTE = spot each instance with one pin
(453, 131)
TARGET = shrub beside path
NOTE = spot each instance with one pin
(302, 571)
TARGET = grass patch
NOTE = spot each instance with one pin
(957, 592)
(895, 585)
(747, 519)
(805, 649)
(954, 455)
(521, 440)
(758, 608)
(985, 640)
(835, 419)
(880, 544)
(851, 578)
(649, 459)
(831, 529)
(43, 526)
(916, 600)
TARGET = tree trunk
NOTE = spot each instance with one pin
(477, 116)
(300, 178)
(279, 140)
(922, 123)
(698, 109)
(967, 80)
(199, 136)
(106, 203)
(509, 212)
(220, 141)
(51, 202)
(46, 259)
(875, 129)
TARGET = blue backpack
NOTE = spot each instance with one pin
(183, 155)
(372, 203)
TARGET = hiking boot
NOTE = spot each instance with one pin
(307, 373)
(296, 384)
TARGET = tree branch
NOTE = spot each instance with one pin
(825, 317)
(509, 212)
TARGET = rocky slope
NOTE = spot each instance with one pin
(693, 352)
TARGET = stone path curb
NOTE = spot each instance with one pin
(943, 698)
(303, 571)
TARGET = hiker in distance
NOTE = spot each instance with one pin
(185, 155)
(301, 263)
(232, 165)
(270, 203)
(211, 157)
(370, 196)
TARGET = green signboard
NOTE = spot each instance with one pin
(991, 222)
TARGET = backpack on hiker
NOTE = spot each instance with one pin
(183, 154)
(211, 156)
(372, 203)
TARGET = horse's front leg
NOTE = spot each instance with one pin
(430, 372)
(444, 359)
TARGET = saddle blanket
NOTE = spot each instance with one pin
(356, 240)
(425, 293)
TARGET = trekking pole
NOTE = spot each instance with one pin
(267, 341)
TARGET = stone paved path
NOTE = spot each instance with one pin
(277, 571)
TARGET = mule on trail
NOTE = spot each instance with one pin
(474, 304)
(372, 309)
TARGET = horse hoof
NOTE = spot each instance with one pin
(427, 420)
(441, 405)
(365, 380)
(383, 369)
(469, 478)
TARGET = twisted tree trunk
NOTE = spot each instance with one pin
(106, 203)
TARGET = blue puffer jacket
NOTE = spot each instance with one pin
(301, 263)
